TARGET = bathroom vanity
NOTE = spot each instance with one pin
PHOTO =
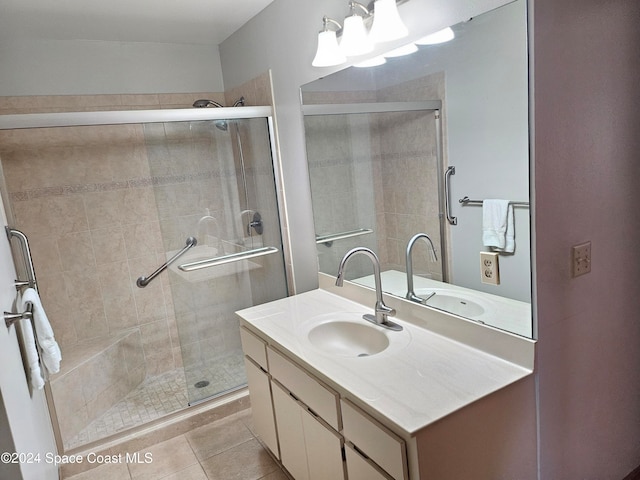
(336, 397)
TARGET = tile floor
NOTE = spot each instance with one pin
(163, 394)
(222, 450)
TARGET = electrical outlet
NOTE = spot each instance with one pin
(489, 271)
(581, 258)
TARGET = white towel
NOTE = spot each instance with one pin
(51, 355)
(498, 225)
(31, 350)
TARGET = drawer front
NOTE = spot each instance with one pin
(374, 440)
(322, 400)
(359, 468)
(254, 347)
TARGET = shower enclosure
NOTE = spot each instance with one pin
(184, 199)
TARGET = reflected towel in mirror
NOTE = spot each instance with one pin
(498, 225)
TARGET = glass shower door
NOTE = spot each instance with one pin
(214, 181)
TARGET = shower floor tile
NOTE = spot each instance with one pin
(164, 394)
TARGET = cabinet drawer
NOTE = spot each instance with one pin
(359, 468)
(254, 347)
(375, 440)
(319, 398)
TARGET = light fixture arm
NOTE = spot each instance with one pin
(353, 5)
(326, 21)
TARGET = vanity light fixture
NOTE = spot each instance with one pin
(441, 36)
(400, 51)
(387, 24)
(355, 38)
(328, 53)
(372, 62)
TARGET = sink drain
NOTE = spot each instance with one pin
(363, 355)
(201, 384)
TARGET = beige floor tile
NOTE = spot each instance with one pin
(107, 471)
(209, 440)
(277, 475)
(248, 461)
(194, 472)
(167, 458)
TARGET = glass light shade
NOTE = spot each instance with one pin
(328, 53)
(372, 62)
(355, 40)
(400, 51)
(441, 36)
(387, 24)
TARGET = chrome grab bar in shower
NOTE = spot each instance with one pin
(331, 237)
(447, 195)
(144, 281)
(233, 257)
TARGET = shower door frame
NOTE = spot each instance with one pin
(434, 106)
(123, 117)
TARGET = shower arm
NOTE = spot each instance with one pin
(144, 281)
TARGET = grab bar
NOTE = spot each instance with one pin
(331, 237)
(233, 257)
(144, 281)
(447, 195)
(26, 256)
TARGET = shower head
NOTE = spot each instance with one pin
(202, 103)
(239, 103)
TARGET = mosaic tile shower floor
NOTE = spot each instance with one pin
(160, 395)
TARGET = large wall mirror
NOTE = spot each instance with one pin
(431, 151)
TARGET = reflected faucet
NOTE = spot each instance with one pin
(381, 310)
(410, 293)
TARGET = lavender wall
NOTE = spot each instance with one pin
(587, 168)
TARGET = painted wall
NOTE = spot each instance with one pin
(82, 67)
(587, 124)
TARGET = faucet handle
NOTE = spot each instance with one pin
(386, 311)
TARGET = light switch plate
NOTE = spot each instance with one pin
(581, 258)
(489, 268)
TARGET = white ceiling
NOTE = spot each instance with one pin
(207, 22)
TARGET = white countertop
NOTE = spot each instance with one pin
(500, 312)
(422, 377)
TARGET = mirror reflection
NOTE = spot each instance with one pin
(425, 161)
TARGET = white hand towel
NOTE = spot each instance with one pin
(51, 355)
(498, 225)
(31, 351)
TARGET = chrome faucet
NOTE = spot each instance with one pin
(411, 295)
(381, 310)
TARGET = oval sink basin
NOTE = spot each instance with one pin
(348, 339)
(455, 304)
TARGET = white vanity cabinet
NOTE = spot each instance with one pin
(259, 389)
(306, 424)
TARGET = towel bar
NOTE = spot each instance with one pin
(468, 201)
(330, 238)
(11, 318)
(233, 257)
